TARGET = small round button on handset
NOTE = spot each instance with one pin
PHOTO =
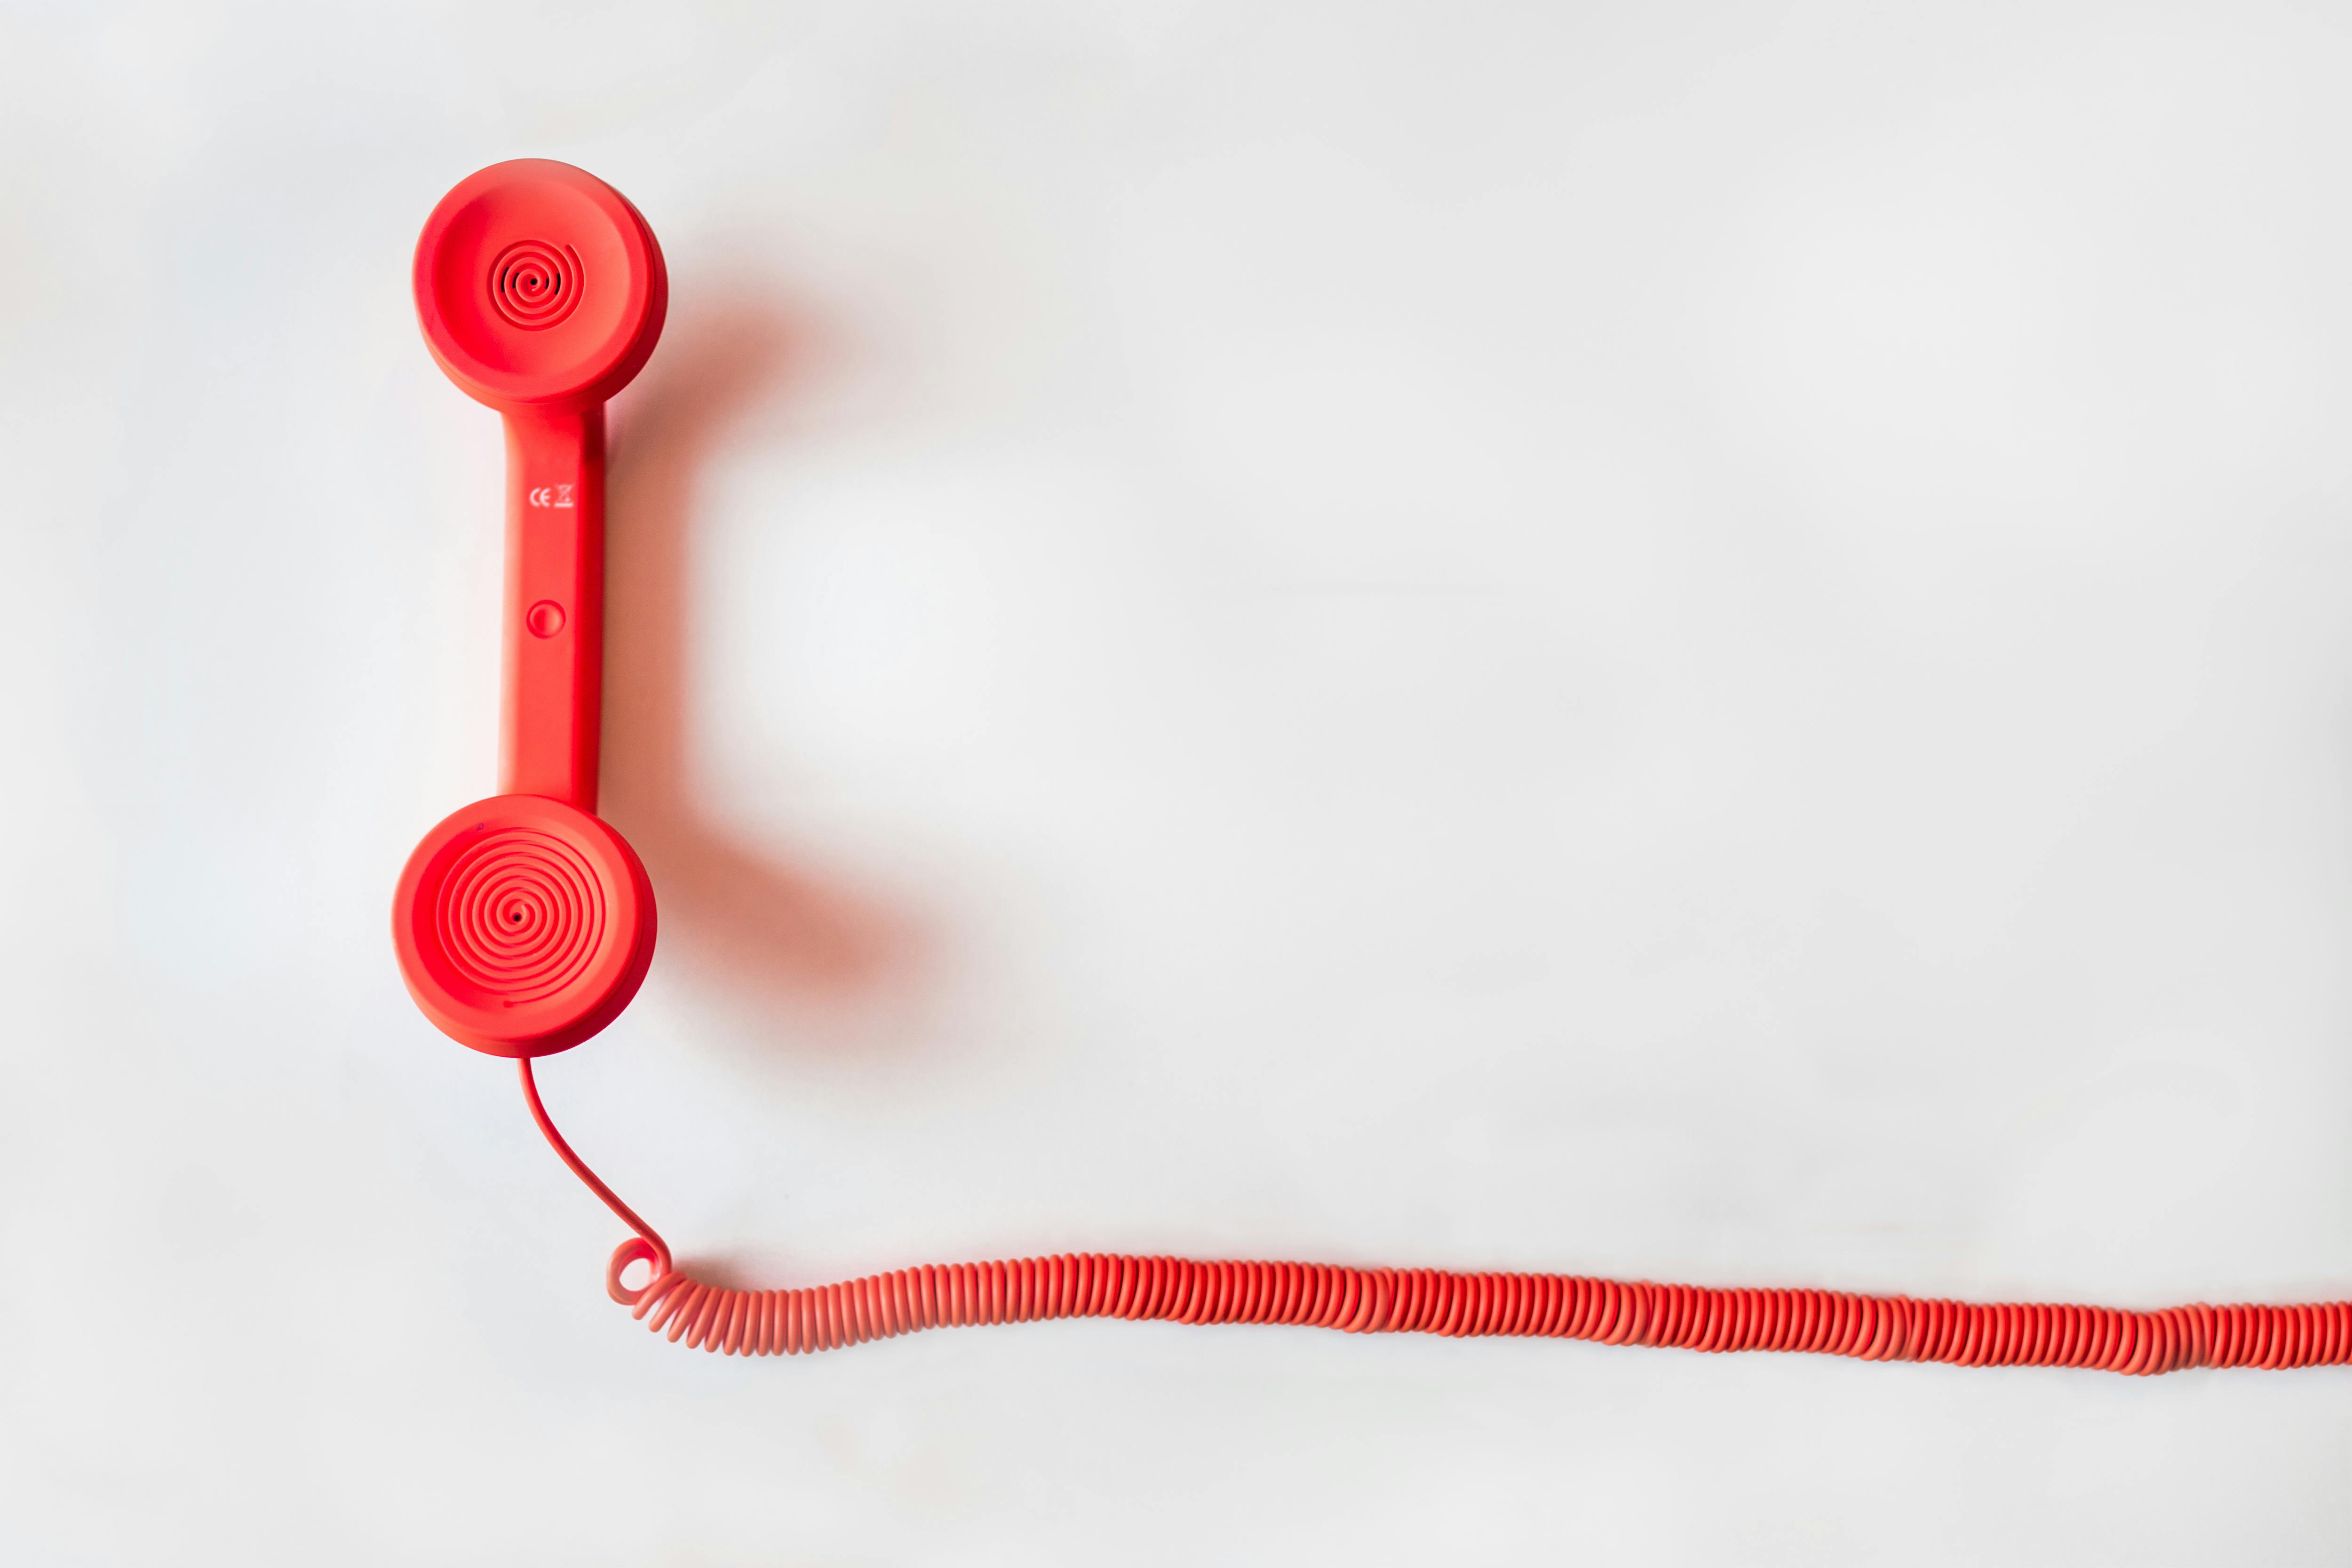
(523, 922)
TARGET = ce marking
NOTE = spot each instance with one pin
(556, 495)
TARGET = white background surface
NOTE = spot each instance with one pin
(1694, 643)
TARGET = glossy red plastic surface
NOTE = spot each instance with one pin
(523, 923)
(552, 693)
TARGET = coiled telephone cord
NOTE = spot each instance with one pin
(1436, 1301)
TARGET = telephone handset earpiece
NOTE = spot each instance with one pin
(524, 924)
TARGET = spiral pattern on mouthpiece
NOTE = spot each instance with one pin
(535, 284)
(520, 915)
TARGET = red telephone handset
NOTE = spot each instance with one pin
(524, 924)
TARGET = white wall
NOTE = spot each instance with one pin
(1693, 642)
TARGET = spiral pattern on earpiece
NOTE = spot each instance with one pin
(520, 915)
(535, 284)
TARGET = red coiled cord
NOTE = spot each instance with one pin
(1435, 1300)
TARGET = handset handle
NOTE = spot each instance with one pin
(552, 696)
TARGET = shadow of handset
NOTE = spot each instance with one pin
(786, 937)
